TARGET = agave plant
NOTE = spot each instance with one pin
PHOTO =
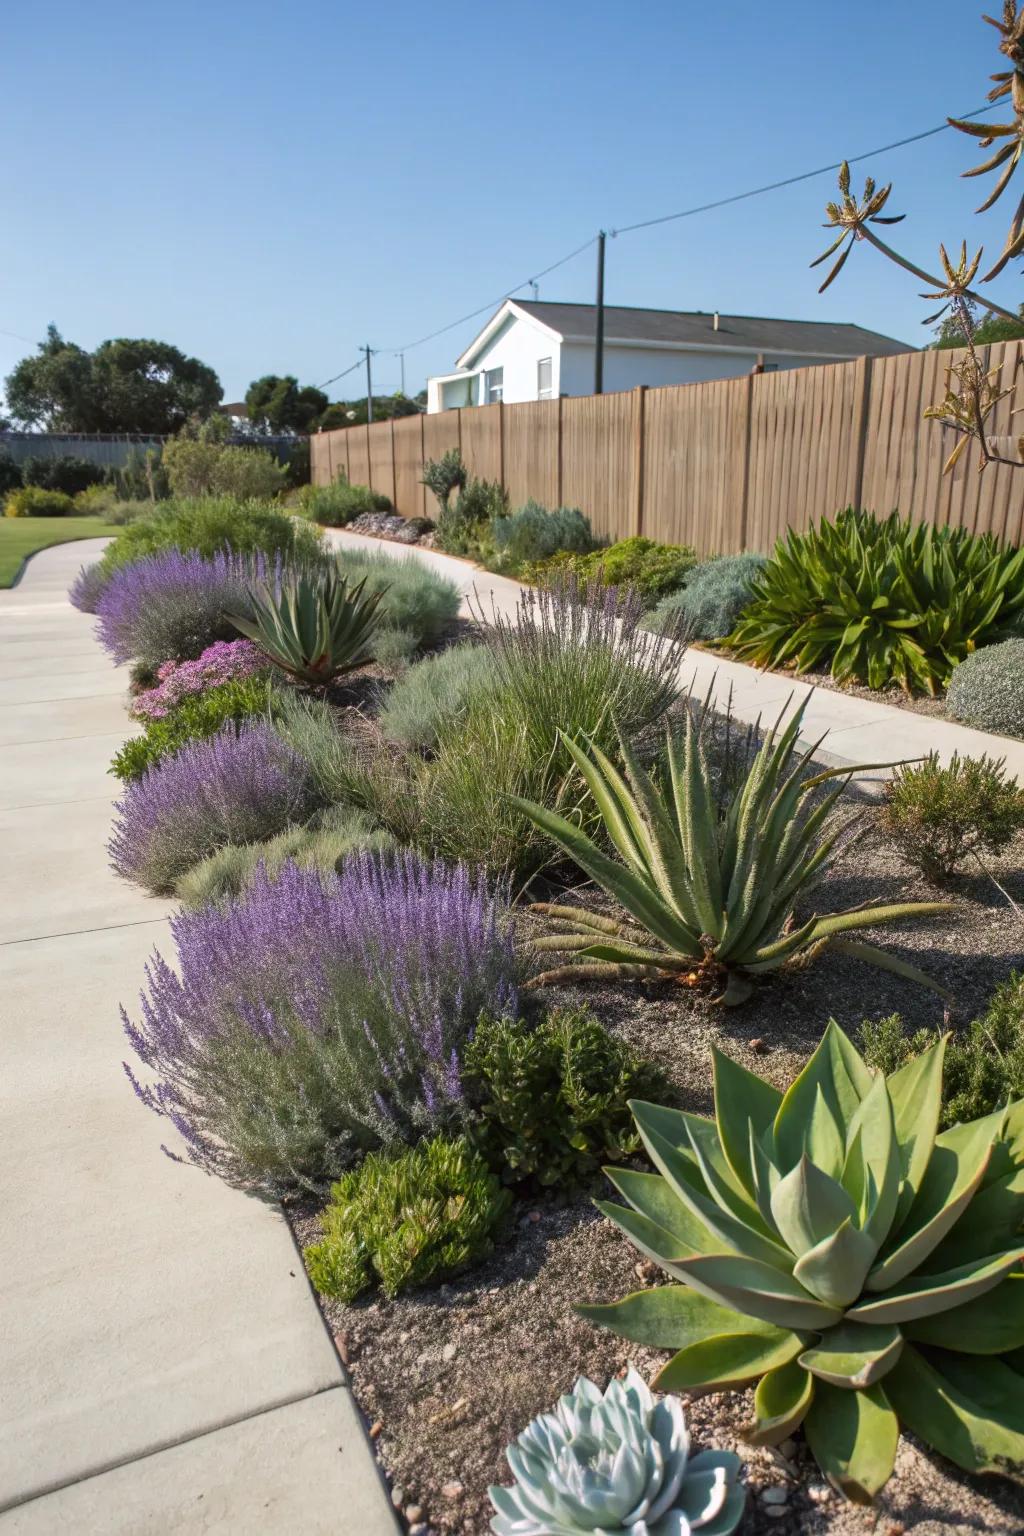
(617, 1462)
(312, 624)
(862, 1270)
(880, 601)
(709, 897)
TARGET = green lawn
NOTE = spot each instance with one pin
(22, 536)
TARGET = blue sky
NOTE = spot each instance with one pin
(269, 188)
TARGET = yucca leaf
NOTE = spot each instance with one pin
(992, 1324)
(858, 949)
(969, 1409)
(611, 796)
(854, 1436)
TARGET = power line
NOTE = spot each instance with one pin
(357, 364)
(790, 181)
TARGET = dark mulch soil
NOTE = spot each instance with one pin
(446, 1377)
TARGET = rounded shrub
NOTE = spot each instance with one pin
(33, 501)
(715, 594)
(436, 694)
(415, 598)
(10, 473)
(172, 606)
(531, 532)
(208, 525)
(69, 474)
(987, 689)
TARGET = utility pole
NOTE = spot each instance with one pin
(401, 359)
(369, 386)
(599, 335)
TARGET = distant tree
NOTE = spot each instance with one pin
(992, 328)
(124, 386)
(277, 403)
(352, 413)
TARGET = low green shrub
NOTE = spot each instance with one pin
(552, 1102)
(198, 716)
(466, 527)
(340, 503)
(393, 649)
(319, 844)
(198, 467)
(444, 475)
(415, 598)
(10, 473)
(651, 569)
(404, 1221)
(939, 817)
(986, 690)
(33, 501)
(209, 524)
(343, 771)
(715, 594)
(532, 533)
(69, 474)
(100, 501)
(984, 1065)
(436, 694)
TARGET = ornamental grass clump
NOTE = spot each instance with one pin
(709, 888)
(617, 1461)
(239, 786)
(172, 606)
(830, 1247)
(312, 1019)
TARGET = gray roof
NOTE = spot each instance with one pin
(621, 323)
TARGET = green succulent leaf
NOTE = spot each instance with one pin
(809, 1207)
(854, 1437)
(654, 1198)
(752, 1286)
(993, 1220)
(991, 1324)
(968, 1410)
(674, 1316)
(743, 1102)
(834, 1271)
(831, 1086)
(781, 1401)
(924, 1295)
(727, 1361)
(853, 1356)
(915, 1092)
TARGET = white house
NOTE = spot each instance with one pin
(531, 350)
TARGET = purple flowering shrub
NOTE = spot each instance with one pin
(171, 605)
(311, 1020)
(88, 587)
(225, 661)
(241, 786)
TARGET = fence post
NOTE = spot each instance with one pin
(558, 493)
(369, 460)
(862, 401)
(423, 460)
(639, 397)
(394, 469)
(501, 445)
(747, 431)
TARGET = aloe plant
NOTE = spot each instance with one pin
(616, 1462)
(710, 897)
(862, 1270)
(312, 624)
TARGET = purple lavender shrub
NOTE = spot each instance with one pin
(241, 786)
(173, 605)
(310, 1021)
(88, 587)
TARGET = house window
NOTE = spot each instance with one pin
(771, 367)
(544, 378)
(494, 385)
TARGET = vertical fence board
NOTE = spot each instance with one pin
(532, 452)
(358, 456)
(378, 443)
(693, 465)
(408, 438)
(598, 460)
(480, 427)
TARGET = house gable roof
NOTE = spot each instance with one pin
(692, 329)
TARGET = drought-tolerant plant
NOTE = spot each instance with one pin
(828, 1246)
(173, 606)
(69, 474)
(195, 467)
(435, 695)
(405, 1219)
(239, 786)
(465, 527)
(313, 1019)
(393, 649)
(226, 661)
(208, 525)
(533, 533)
(328, 836)
(984, 1065)
(987, 689)
(416, 599)
(552, 1101)
(444, 475)
(311, 624)
(617, 1461)
(650, 569)
(715, 594)
(940, 817)
(33, 501)
(198, 716)
(340, 503)
(710, 894)
(880, 601)
(88, 587)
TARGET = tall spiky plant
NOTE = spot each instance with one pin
(313, 624)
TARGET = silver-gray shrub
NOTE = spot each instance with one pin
(435, 695)
(986, 690)
(531, 533)
(416, 598)
(712, 599)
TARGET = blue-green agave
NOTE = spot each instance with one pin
(710, 895)
(830, 1247)
(312, 624)
(616, 1462)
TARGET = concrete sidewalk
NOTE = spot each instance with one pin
(164, 1368)
(859, 730)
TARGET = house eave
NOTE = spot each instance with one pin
(494, 324)
(712, 348)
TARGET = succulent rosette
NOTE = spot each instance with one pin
(617, 1461)
(835, 1250)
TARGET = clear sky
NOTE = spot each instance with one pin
(268, 187)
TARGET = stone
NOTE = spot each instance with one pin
(398, 1495)
(774, 1495)
(449, 1352)
(413, 1513)
(451, 1490)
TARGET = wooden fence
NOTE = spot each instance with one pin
(724, 465)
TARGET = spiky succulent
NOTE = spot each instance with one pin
(616, 1462)
(709, 895)
(312, 624)
(862, 1270)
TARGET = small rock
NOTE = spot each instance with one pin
(403, 1338)
(787, 1447)
(398, 1495)
(819, 1492)
(341, 1342)
(449, 1352)
(451, 1490)
(774, 1496)
(533, 1216)
(375, 1429)
(775, 1511)
(758, 1046)
(419, 1530)
(413, 1513)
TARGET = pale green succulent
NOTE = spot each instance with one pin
(709, 894)
(616, 1462)
(312, 624)
(862, 1270)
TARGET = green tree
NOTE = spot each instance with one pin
(124, 386)
(992, 328)
(352, 413)
(277, 403)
